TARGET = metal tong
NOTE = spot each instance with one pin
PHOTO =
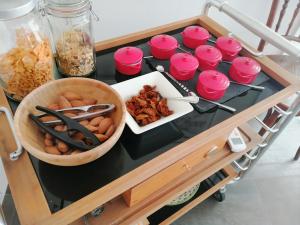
(72, 127)
(106, 108)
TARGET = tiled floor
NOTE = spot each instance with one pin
(268, 195)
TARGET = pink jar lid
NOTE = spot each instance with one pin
(128, 55)
(196, 32)
(164, 41)
(214, 80)
(208, 53)
(184, 62)
(246, 65)
(228, 44)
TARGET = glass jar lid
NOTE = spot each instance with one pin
(67, 8)
(10, 9)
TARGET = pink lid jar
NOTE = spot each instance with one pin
(212, 84)
(163, 46)
(183, 66)
(229, 47)
(208, 56)
(193, 36)
(128, 60)
(244, 70)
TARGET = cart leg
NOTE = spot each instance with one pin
(297, 154)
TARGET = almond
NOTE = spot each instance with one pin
(89, 101)
(91, 128)
(104, 125)
(96, 121)
(110, 130)
(84, 122)
(63, 102)
(77, 103)
(78, 136)
(48, 136)
(101, 137)
(62, 147)
(60, 128)
(71, 96)
(53, 107)
(48, 142)
(48, 118)
(52, 150)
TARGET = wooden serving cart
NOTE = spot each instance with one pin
(145, 189)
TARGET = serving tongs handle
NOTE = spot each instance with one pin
(106, 108)
(72, 126)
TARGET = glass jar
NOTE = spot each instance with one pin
(26, 60)
(71, 26)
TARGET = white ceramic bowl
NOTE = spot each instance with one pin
(131, 87)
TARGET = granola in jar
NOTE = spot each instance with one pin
(75, 53)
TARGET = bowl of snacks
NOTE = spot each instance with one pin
(70, 122)
(151, 101)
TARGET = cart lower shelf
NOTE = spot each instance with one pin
(118, 212)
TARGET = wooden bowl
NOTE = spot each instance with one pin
(31, 136)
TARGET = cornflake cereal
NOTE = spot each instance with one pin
(75, 53)
(27, 66)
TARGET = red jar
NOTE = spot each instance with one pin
(244, 70)
(193, 36)
(208, 56)
(163, 46)
(128, 60)
(212, 84)
(183, 66)
(229, 47)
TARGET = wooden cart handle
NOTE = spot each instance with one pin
(14, 155)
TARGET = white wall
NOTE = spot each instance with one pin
(124, 17)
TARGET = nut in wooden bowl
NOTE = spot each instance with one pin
(79, 91)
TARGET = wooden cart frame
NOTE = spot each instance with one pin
(27, 192)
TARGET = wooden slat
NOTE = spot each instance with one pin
(270, 22)
(282, 14)
(295, 14)
(27, 193)
(201, 198)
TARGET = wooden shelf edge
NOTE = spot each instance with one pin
(231, 174)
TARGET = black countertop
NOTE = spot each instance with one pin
(63, 185)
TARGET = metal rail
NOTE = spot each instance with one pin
(254, 26)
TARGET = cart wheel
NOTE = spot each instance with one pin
(219, 196)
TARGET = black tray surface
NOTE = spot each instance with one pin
(64, 185)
